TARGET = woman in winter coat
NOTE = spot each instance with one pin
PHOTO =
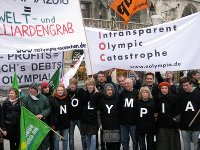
(59, 116)
(167, 108)
(146, 120)
(11, 113)
(109, 111)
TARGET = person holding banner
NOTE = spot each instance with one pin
(167, 105)
(189, 106)
(59, 116)
(11, 112)
(38, 104)
(2, 129)
(76, 99)
(128, 114)
(169, 78)
(149, 82)
(89, 123)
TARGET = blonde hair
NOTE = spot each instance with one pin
(90, 81)
(73, 81)
(146, 89)
(62, 86)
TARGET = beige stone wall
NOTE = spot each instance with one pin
(173, 9)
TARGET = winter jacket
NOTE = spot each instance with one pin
(189, 106)
(76, 99)
(146, 120)
(11, 113)
(89, 124)
(128, 111)
(40, 106)
(167, 108)
(109, 110)
(59, 113)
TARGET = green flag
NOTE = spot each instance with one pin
(15, 82)
(55, 80)
(32, 130)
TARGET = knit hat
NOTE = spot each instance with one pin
(34, 86)
(44, 84)
(164, 84)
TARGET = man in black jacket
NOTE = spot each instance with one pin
(128, 114)
(189, 106)
(76, 99)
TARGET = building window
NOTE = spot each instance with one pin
(85, 9)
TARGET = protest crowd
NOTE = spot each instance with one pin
(150, 112)
(152, 115)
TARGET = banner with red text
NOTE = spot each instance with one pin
(166, 47)
(34, 26)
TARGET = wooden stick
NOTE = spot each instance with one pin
(2, 132)
(194, 118)
(57, 133)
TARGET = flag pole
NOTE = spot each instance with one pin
(194, 118)
(57, 133)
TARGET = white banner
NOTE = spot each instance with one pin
(166, 47)
(33, 26)
(72, 71)
(28, 67)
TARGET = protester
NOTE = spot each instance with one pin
(120, 85)
(149, 82)
(59, 116)
(167, 105)
(3, 131)
(11, 113)
(169, 77)
(89, 124)
(38, 104)
(45, 90)
(128, 114)
(100, 83)
(76, 99)
(109, 112)
(189, 106)
(195, 78)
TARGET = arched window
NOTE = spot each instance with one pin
(189, 9)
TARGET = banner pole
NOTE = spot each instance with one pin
(194, 118)
(86, 42)
(57, 133)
